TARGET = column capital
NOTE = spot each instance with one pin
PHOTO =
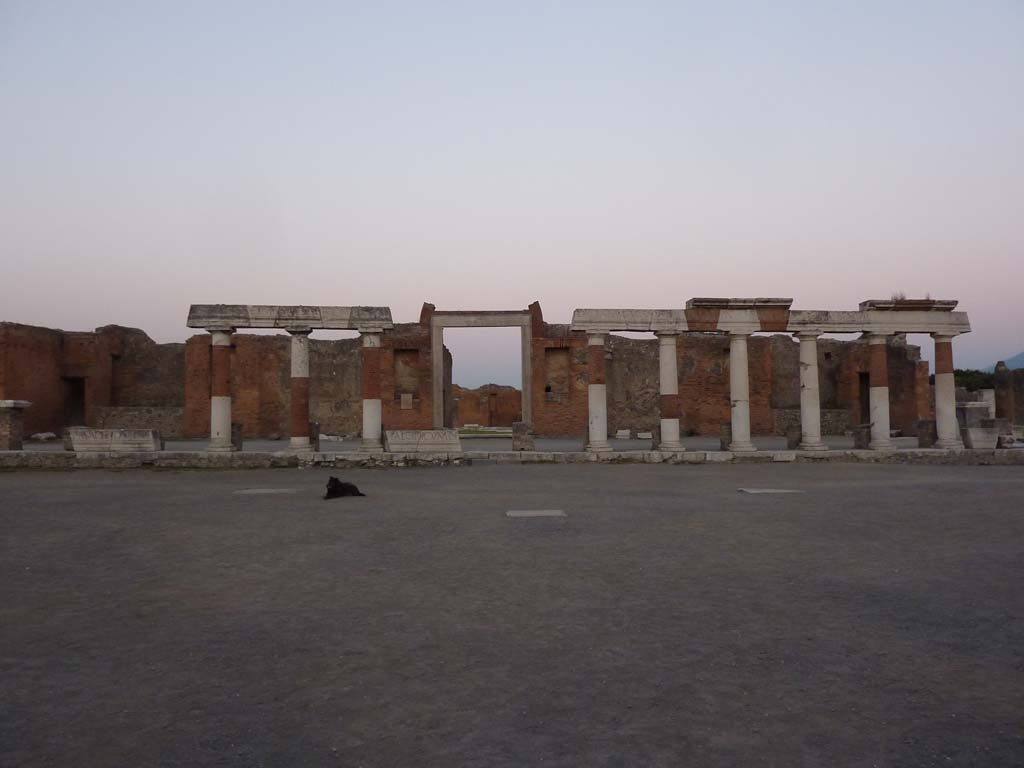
(300, 331)
(595, 339)
(739, 334)
(878, 338)
(370, 338)
(220, 337)
(944, 336)
(809, 333)
(667, 334)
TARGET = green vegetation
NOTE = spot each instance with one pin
(971, 379)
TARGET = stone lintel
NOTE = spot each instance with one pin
(880, 321)
(608, 320)
(288, 317)
(519, 318)
(17, 405)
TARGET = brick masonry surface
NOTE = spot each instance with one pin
(71, 378)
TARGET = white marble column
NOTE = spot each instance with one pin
(597, 396)
(371, 393)
(947, 430)
(878, 393)
(220, 391)
(810, 397)
(668, 378)
(300, 391)
(739, 393)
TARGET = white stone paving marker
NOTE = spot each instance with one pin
(535, 513)
(767, 490)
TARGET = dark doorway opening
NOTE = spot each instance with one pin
(74, 402)
(864, 381)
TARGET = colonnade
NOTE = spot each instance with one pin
(671, 406)
(220, 390)
(947, 429)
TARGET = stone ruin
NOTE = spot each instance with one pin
(705, 368)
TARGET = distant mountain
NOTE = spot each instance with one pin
(1017, 361)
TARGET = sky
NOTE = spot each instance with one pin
(483, 155)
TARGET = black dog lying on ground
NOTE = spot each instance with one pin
(336, 489)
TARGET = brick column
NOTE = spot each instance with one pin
(597, 396)
(11, 424)
(668, 379)
(371, 392)
(220, 390)
(947, 430)
(300, 390)
(878, 393)
(739, 393)
(810, 398)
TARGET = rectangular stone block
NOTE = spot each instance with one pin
(862, 437)
(971, 414)
(12, 430)
(522, 437)
(422, 441)
(926, 433)
(236, 436)
(979, 437)
(725, 440)
(88, 440)
(1001, 426)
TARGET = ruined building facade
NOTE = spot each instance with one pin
(119, 377)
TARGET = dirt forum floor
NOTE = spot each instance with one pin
(163, 618)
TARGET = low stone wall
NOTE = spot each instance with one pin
(11, 429)
(167, 421)
(50, 460)
(834, 421)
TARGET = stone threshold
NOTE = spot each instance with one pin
(261, 460)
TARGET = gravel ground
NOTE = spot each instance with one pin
(164, 618)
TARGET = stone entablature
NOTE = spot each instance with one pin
(278, 384)
(222, 320)
(877, 319)
(233, 316)
(757, 315)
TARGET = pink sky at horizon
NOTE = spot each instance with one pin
(483, 159)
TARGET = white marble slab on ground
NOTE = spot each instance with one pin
(535, 513)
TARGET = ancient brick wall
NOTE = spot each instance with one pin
(492, 405)
(196, 419)
(30, 369)
(144, 373)
(909, 396)
(559, 378)
(834, 421)
(260, 385)
(406, 388)
(167, 420)
(631, 377)
(123, 367)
